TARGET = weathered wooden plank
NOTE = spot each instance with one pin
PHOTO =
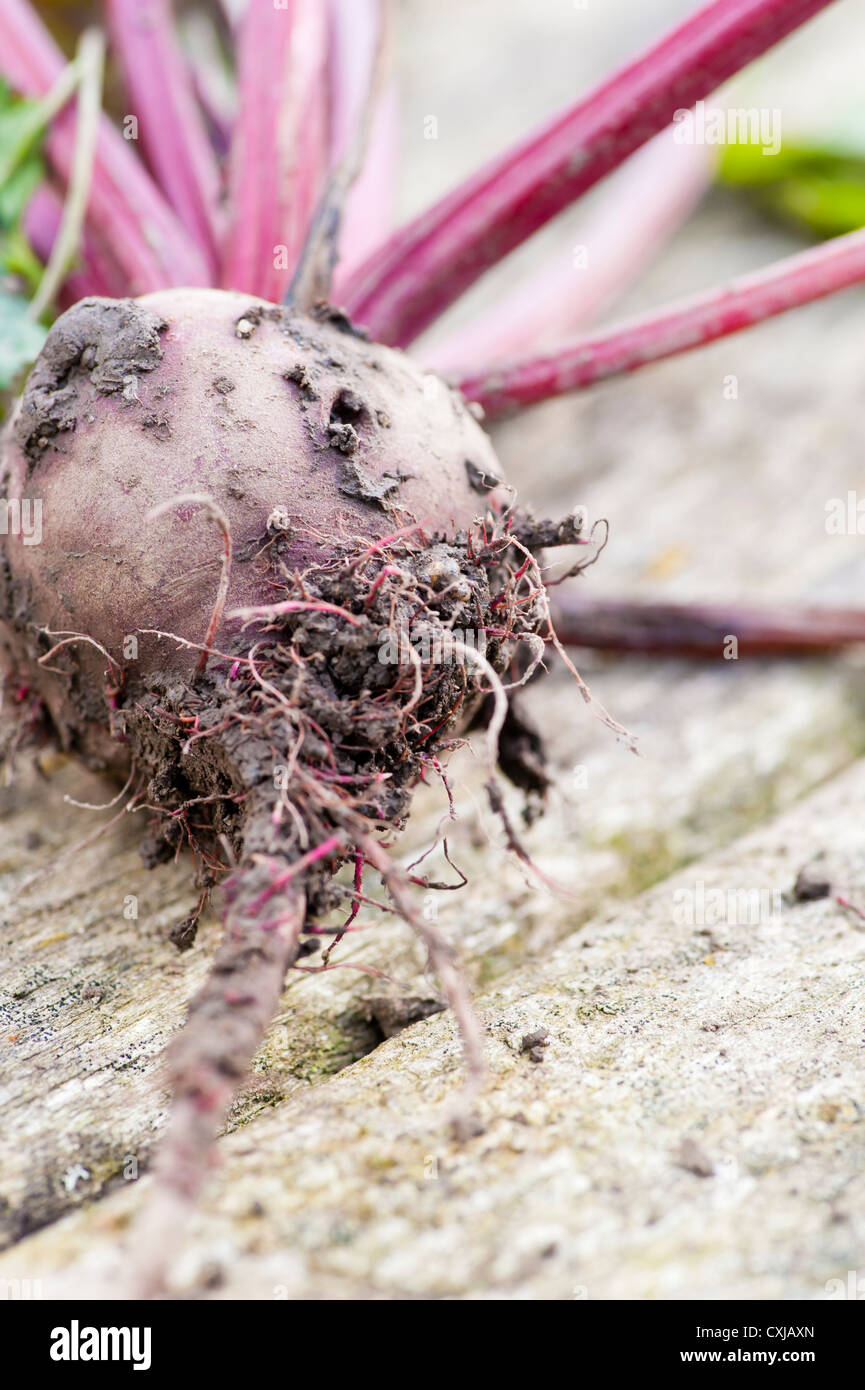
(695, 1128)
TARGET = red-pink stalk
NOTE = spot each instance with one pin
(97, 273)
(171, 129)
(665, 181)
(280, 144)
(690, 323)
(424, 267)
(126, 208)
(704, 630)
(354, 37)
(367, 216)
(211, 79)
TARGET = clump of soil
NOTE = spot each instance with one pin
(350, 691)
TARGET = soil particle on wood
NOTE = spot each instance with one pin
(694, 1159)
(812, 882)
(534, 1043)
(539, 1037)
(395, 1013)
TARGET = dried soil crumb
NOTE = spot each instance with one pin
(394, 1015)
(811, 884)
(694, 1159)
(534, 1043)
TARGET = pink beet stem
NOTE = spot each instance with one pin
(665, 180)
(786, 284)
(367, 217)
(126, 208)
(279, 149)
(355, 28)
(212, 82)
(172, 131)
(424, 267)
(96, 273)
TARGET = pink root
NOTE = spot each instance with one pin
(225, 1025)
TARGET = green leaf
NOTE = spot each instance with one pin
(21, 172)
(17, 191)
(820, 188)
(18, 260)
(20, 338)
(22, 125)
(824, 207)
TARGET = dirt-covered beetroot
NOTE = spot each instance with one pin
(286, 422)
(277, 572)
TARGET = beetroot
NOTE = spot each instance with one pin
(291, 426)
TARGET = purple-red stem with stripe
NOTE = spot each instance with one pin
(703, 629)
(787, 284)
(280, 143)
(171, 128)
